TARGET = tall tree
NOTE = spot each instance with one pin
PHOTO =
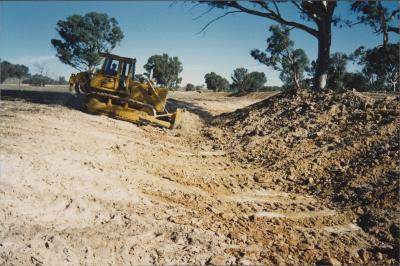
(84, 37)
(337, 71)
(21, 72)
(190, 87)
(238, 78)
(243, 81)
(165, 70)
(378, 17)
(254, 81)
(9, 70)
(42, 72)
(321, 13)
(216, 82)
(381, 65)
(281, 55)
(355, 81)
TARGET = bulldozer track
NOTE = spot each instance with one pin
(122, 100)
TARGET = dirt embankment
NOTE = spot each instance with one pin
(83, 189)
(340, 147)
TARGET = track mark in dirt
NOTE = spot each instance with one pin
(150, 196)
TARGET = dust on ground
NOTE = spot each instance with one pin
(84, 189)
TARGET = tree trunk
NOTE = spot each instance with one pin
(385, 39)
(324, 46)
(383, 25)
(297, 81)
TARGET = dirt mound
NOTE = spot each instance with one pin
(254, 95)
(342, 147)
(87, 189)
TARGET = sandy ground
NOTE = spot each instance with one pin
(83, 189)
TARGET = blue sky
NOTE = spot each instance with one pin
(155, 27)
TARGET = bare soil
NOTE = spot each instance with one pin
(77, 188)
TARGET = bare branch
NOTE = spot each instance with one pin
(277, 8)
(393, 29)
(261, 3)
(205, 12)
(265, 6)
(194, 6)
(393, 14)
(296, 4)
(217, 18)
(273, 16)
(309, 9)
(355, 23)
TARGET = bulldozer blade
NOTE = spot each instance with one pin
(177, 119)
(132, 115)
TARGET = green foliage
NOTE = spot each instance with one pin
(254, 81)
(84, 37)
(199, 87)
(246, 82)
(355, 81)
(378, 17)
(271, 88)
(41, 80)
(281, 55)
(320, 13)
(216, 82)
(238, 78)
(9, 70)
(336, 71)
(165, 70)
(380, 65)
(190, 87)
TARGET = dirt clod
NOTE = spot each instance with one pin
(293, 179)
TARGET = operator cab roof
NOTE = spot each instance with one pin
(119, 58)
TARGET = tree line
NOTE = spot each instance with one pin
(321, 14)
(21, 72)
(82, 38)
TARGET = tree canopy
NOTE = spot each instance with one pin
(190, 87)
(40, 80)
(216, 82)
(320, 13)
(281, 55)
(238, 77)
(84, 37)
(9, 70)
(380, 65)
(337, 71)
(165, 70)
(243, 81)
(378, 17)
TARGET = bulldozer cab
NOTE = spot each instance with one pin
(115, 74)
(113, 91)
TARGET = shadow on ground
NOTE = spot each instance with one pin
(75, 102)
(172, 104)
(43, 97)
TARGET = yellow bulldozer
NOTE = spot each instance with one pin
(113, 90)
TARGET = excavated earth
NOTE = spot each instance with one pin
(293, 179)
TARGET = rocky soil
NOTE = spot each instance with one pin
(294, 179)
(342, 148)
